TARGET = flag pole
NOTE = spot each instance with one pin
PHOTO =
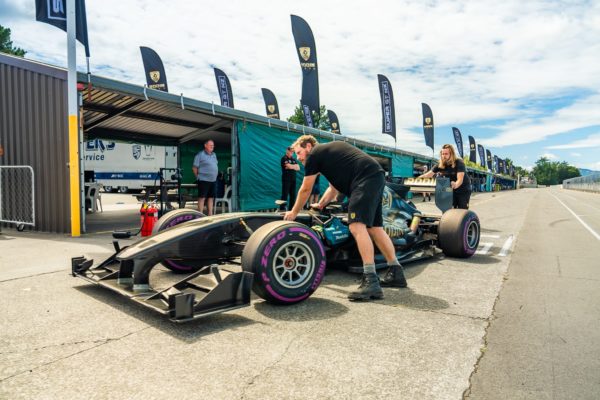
(89, 79)
(74, 176)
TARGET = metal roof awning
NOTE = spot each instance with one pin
(126, 112)
(117, 112)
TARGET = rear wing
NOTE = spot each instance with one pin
(440, 186)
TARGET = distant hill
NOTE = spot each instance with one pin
(585, 172)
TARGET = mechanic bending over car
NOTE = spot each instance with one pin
(355, 174)
(453, 167)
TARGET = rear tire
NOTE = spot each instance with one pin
(288, 262)
(169, 220)
(458, 233)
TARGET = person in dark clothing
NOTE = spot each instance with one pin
(289, 166)
(357, 175)
(316, 192)
(452, 167)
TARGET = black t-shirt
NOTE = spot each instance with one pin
(288, 174)
(342, 164)
(450, 172)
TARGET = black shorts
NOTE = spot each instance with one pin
(461, 200)
(364, 204)
(206, 190)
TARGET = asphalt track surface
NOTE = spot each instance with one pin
(520, 319)
(544, 338)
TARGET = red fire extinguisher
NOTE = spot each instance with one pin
(149, 219)
(143, 213)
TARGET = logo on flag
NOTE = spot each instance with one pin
(304, 53)
(56, 10)
(154, 75)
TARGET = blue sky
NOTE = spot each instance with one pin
(523, 78)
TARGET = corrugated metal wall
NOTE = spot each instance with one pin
(33, 131)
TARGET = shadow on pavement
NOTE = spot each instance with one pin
(312, 309)
(411, 299)
(110, 221)
(487, 230)
(480, 258)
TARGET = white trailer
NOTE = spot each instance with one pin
(126, 166)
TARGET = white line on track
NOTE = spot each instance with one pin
(506, 247)
(484, 248)
(586, 226)
(490, 236)
(580, 201)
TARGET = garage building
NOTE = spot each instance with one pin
(33, 132)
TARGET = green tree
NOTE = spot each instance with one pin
(545, 172)
(473, 165)
(6, 45)
(521, 171)
(566, 171)
(320, 121)
(552, 173)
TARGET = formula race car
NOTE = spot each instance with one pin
(283, 262)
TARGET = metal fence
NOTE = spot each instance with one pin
(17, 195)
(588, 183)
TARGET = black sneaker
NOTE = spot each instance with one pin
(394, 277)
(369, 288)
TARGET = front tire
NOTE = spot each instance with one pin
(169, 220)
(288, 262)
(458, 233)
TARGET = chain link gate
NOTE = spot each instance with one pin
(17, 201)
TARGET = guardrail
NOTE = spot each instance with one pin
(588, 183)
(17, 196)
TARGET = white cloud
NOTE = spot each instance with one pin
(473, 62)
(575, 154)
(588, 142)
(594, 166)
(581, 114)
(549, 156)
